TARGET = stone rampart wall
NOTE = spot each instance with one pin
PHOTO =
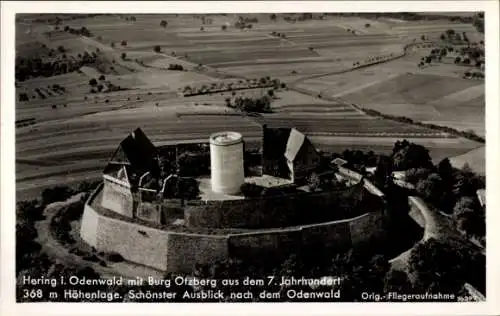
(268, 212)
(178, 252)
(136, 243)
(274, 243)
(185, 250)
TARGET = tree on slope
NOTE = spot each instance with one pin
(431, 188)
(406, 155)
(397, 281)
(446, 266)
(468, 217)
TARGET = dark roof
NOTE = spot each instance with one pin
(285, 142)
(136, 152)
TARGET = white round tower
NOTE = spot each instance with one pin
(226, 162)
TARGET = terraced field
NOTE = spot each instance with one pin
(234, 50)
(437, 95)
(73, 141)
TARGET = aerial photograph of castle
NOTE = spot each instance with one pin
(270, 157)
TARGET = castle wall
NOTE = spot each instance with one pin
(266, 212)
(185, 250)
(117, 197)
(149, 211)
(276, 243)
(134, 242)
(334, 235)
(179, 252)
(89, 229)
(147, 206)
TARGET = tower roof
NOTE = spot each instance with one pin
(136, 152)
(294, 144)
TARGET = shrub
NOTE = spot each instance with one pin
(114, 257)
(55, 194)
(175, 67)
(446, 265)
(251, 190)
(187, 188)
(86, 186)
(23, 96)
(414, 175)
(29, 210)
(91, 258)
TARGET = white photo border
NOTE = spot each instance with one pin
(7, 172)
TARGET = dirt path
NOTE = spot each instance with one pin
(61, 254)
(407, 49)
(437, 225)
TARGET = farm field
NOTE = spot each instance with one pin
(431, 95)
(475, 159)
(77, 130)
(308, 46)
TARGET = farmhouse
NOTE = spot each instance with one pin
(157, 209)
